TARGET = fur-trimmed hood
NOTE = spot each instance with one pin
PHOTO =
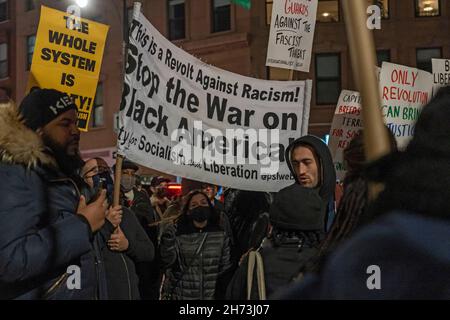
(19, 144)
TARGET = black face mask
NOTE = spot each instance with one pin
(200, 214)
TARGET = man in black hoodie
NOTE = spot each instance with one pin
(298, 217)
(310, 161)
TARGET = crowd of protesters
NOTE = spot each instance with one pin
(57, 215)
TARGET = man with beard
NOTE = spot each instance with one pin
(46, 227)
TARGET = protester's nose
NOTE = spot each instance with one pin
(74, 130)
(301, 169)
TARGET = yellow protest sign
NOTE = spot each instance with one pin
(68, 57)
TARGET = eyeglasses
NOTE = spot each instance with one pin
(127, 173)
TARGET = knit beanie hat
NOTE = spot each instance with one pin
(41, 106)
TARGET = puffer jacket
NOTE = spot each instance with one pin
(194, 262)
(40, 234)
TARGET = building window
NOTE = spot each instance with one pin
(29, 5)
(269, 6)
(4, 72)
(31, 41)
(383, 5)
(427, 8)
(177, 23)
(328, 78)
(97, 110)
(328, 11)
(221, 15)
(424, 57)
(3, 10)
(383, 56)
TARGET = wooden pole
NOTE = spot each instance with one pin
(291, 74)
(119, 160)
(117, 178)
(362, 52)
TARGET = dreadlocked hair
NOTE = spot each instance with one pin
(351, 208)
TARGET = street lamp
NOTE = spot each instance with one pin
(82, 3)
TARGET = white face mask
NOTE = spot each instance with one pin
(127, 182)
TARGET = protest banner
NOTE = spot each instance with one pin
(292, 34)
(441, 74)
(184, 117)
(347, 123)
(68, 57)
(404, 92)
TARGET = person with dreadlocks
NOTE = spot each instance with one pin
(405, 252)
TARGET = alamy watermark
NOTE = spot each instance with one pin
(374, 280)
(374, 19)
(74, 280)
(233, 147)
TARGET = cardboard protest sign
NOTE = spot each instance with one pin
(69, 60)
(404, 92)
(347, 123)
(184, 117)
(292, 34)
(441, 74)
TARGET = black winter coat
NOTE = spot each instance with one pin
(148, 272)
(194, 262)
(282, 261)
(123, 282)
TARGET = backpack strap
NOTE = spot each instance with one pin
(250, 270)
(254, 258)
(260, 276)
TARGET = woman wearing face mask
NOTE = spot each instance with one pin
(195, 251)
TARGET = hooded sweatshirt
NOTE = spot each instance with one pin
(298, 215)
(327, 172)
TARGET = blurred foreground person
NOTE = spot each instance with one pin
(405, 253)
